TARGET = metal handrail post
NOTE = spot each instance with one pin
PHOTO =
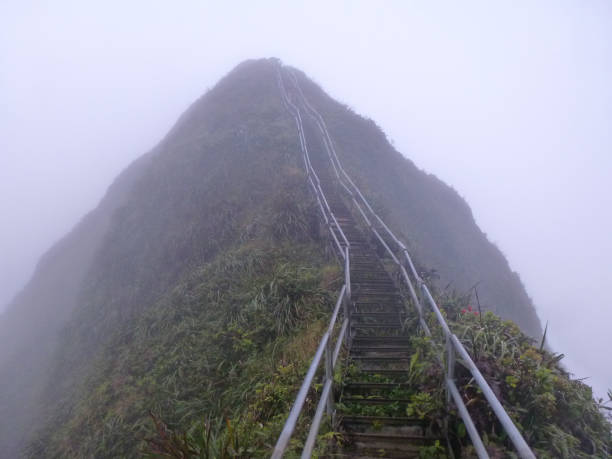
(329, 375)
(481, 451)
(515, 436)
(450, 366)
(347, 316)
(341, 340)
(285, 436)
(347, 272)
(316, 422)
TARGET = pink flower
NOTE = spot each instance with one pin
(475, 313)
(469, 308)
(463, 311)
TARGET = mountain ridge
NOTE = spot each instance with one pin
(223, 161)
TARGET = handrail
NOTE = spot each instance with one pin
(322, 200)
(453, 345)
(325, 348)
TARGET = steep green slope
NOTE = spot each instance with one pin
(29, 327)
(207, 349)
(155, 313)
(557, 415)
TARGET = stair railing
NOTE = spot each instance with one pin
(453, 345)
(327, 351)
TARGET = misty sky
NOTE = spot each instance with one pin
(509, 102)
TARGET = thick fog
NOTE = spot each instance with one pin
(510, 103)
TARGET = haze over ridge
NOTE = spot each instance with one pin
(533, 92)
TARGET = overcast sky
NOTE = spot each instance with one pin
(510, 103)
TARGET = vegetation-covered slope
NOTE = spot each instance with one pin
(30, 326)
(224, 181)
(556, 414)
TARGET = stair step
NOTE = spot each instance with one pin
(384, 372)
(371, 442)
(361, 322)
(379, 307)
(374, 282)
(414, 428)
(370, 273)
(374, 277)
(386, 286)
(366, 302)
(389, 332)
(364, 454)
(369, 291)
(374, 298)
(381, 339)
(383, 352)
(380, 282)
(395, 310)
(368, 285)
(379, 365)
(388, 420)
(358, 315)
(374, 386)
(390, 358)
(374, 401)
(382, 347)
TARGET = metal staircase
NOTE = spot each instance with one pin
(374, 326)
(379, 345)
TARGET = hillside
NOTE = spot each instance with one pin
(199, 287)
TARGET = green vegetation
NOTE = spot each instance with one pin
(557, 414)
(231, 340)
